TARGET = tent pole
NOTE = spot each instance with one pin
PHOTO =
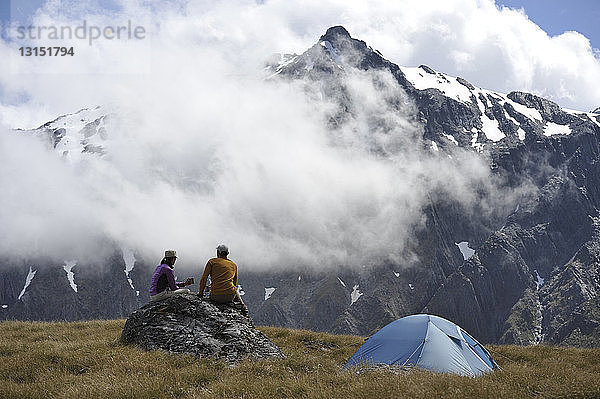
(421, 344)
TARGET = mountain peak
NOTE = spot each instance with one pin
(333, 34)
(596, 111)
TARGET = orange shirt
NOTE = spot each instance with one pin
(223, 276)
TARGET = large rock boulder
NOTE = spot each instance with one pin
(191, 325)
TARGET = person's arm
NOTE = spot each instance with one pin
(205, 275)
(171, 279)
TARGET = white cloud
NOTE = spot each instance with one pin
(264, 176)
(498, 49)
(206, 152)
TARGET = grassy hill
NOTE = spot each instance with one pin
(85, 360)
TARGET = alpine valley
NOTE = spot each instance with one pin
(525, 272)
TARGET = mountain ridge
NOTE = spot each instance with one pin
(496, 293)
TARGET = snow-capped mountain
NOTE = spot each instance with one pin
(529, 275)
(74, 134)
(453, 110)
(516, 271)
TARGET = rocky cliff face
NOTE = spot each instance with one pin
(40, 289)
(525, 271)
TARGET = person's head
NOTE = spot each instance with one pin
(222, 251)
(170, 257)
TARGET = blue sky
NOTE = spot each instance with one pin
(22, 10)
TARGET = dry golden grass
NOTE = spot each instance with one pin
(85, 360)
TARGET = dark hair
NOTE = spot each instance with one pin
(168, 261)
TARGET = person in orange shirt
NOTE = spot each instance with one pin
(223, 276)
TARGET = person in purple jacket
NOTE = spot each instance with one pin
(163, 283)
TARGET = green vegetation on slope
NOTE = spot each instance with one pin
(85, 360)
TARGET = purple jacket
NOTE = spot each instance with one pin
(162, 279)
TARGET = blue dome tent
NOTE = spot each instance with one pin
(428, 342)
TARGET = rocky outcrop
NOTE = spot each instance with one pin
(191, 325)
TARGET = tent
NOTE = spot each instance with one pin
(428, 342)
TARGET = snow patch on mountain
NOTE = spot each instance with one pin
(284, 60)
(269, 291)
(396, 274)
(520, 131)
(491, 129)
(333, 53)
(355, 294)
(129, 259)
(451, 138)
(594, 118)
(68, 266)
(553, 128)
(28, 281)
(434, 146)
(412, 287)
(341, 282)
(425, 78)
(73, 135)
(574, 112)
(530, 113)
(421, 80)
(466, 252)
(482, 102)
(539, 280)
(510, 118)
